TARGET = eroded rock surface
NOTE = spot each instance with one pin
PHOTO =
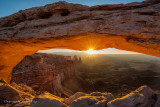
(8, 93)
(133, 27)
(44, 72)
(47, 100)
(88, 101)
(109, 96)
(135, 20)
(95, 99)
(142, 97)
(69, 100)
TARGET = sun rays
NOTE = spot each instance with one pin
(92, 51)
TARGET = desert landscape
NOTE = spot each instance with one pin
(76, 74)
(85, 77)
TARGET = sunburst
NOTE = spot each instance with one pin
(92, 51)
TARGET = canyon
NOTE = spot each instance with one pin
(133, 27)
(38, 81)
(44, 72)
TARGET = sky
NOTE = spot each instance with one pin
(103, 51)
(8, 7)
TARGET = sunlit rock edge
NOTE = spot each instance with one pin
(11, 96)
(144, 17)
(132, 27)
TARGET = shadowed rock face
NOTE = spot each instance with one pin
(142, 97)
(44, 72)
(132, 27)
(7, 93)
(134, 20)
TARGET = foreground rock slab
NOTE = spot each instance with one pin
(47, 100)
(142, 97)
(88, 101)
(95, 99)
(8, 93)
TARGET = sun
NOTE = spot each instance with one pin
(91, 51)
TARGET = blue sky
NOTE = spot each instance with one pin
(8, 7)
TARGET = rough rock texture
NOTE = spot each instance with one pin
(109, 96)
(7, 93)
(47, 100)
(95, 99)
(158, 102)
(44, 72)
(142, 97)
(69, 100)
(139, 20)
(132, 27)
(88, 101)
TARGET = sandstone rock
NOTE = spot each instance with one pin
(66, 19)
(132, 27)
(46, 102)
(44, 72)
(131, 100)
(150, 96)
(90, 101)
(157, 104)
(98, 95)
(109, 96)
(142, 97)
(69, 100)
(23, 88)
(8, 93)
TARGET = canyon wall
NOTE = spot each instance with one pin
(44, 72)
(133, 27)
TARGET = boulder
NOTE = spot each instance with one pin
(150, 96)
(142, 97)
(90, 101)
(157, 104)
(47, 100)
(69, 100)
(109, 96)
(8, 93)
(131, 100)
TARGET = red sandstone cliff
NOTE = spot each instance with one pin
(44, 72)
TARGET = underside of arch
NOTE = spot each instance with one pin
(133, 27)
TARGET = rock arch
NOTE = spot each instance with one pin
(133, 27)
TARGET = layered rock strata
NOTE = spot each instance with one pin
(44, 72)
(132, 27)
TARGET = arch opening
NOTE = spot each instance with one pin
(63, 72)
(14, 51)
